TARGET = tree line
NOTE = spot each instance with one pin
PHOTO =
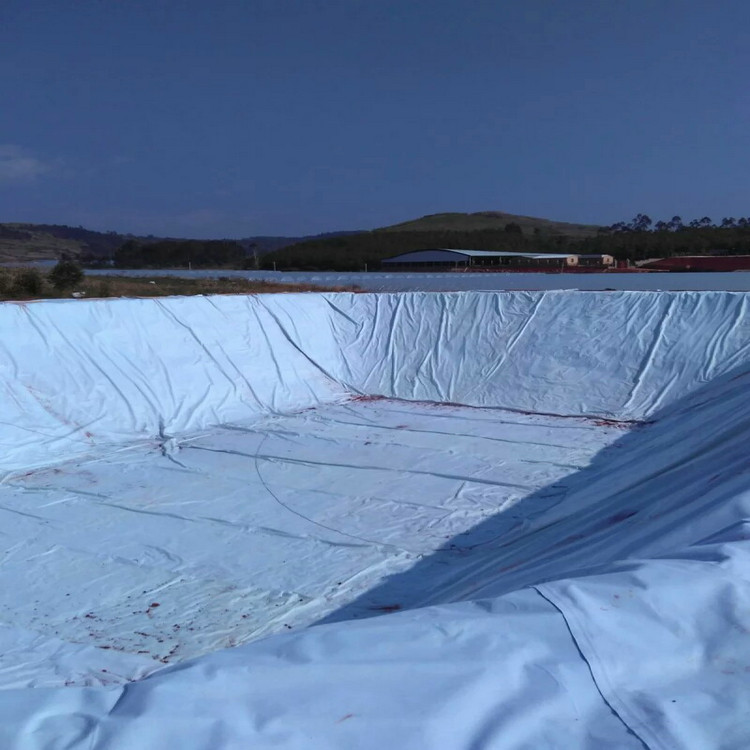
(180, 254)
(637, 239)
(644, 223)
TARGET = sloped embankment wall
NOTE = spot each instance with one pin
(622, 354)
(76, 375)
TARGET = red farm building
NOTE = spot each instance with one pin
(701, 263)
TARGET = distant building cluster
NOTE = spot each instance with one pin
(445, 259)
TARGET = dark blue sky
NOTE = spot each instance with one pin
(213, 118)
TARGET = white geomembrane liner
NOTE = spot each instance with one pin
(515, 520)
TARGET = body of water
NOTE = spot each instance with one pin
(434, 282)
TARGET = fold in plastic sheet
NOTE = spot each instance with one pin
(622, 354)
(77, 375)
(635, 629)
(152, 555)
(667, 643)
(502, 673)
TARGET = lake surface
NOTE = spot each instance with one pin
(738, 281)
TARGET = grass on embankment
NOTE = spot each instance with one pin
(22, 284)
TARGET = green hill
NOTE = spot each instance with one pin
(486, 230)
(27, 243)
(22, 243)
(488, 220)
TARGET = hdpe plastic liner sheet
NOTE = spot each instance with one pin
(624, 355)
(77, 376)
(491, 674)
(152, 554)
(560, 562)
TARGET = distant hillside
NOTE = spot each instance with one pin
(36, 242)
(265, 244)
(635, 240)
(486, 230)
(23, 243)
(354, 252)
(488, 220)
(33, 242)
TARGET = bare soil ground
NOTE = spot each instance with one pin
(20, 284)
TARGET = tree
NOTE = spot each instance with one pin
(179, 253)
(619, 226)
(65, 275)
(29, 282)
(6, 280)
(513, 228)
(641, 223)
(253, 250)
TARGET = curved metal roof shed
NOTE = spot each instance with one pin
(447, 257)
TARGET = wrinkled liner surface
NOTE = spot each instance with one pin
(634, 630)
